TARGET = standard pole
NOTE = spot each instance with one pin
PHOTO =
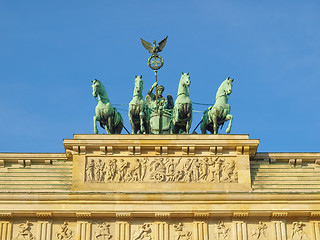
(156, 78)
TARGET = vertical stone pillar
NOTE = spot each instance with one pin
(200, 230)
(5, 230)
(280, 229)
(315, 230)
(83, 230)
(240, 230)
(122, 230)
(161, 230)
(44, 230)
(280, 225)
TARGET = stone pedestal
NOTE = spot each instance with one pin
(160, 187)
(161, 163)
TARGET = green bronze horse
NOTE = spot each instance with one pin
(182, 111)
(138, 110)
(107, 116)
(219, 113)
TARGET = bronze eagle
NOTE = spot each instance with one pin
(154, 49)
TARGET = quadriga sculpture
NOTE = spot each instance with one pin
(138, 110)
(182, 111)
(219, 113)
(107, 116)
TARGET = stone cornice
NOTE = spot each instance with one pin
(187, 144)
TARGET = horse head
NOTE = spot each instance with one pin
(98, 90)
(185, 80)
(228, 85)
(138, 86)
(225, 88)
(95, 87)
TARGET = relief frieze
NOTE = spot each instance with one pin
(180, 233)
(25, 232)
(222, 232)
(143, 232)
(183, 170)
(103, 232)
(65, 233)
(260, 231)
(298, 232)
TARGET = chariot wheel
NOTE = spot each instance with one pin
(159, 177)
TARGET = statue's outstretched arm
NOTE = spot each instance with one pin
(152, 87)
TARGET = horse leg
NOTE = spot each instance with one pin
(229, 117)
(109, 127)
(131, 123)
(142, 128)
(176, 129)
(95, 119)
(176, 115)
(215, 124)
(215, 128)
(189, 118)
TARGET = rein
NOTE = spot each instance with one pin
(180, 94)
(222, 95)
(137, 95)
(186, 93)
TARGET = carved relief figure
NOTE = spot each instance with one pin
(143, 232)
(111, 169)
(136, 170)
(65, 233)
(25, 232)
(180, 234)
(259, 232)
(171, 169)
(103, 232)
(179, 176)
(222, 232)
(204, 167)
(143, 168)
(216, 172)
(195, 170)
(90, 169)
(123, 170)
(297, 231)
(187, 170)
(227, 173)
(100, 171)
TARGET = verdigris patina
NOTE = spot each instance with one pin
(182, 111)
(155, 61)
(157, 114)
(160, 110)
(219, 113)
(138, 110)
(107, 116)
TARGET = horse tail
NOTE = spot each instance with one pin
(101, 124)
(117, 117)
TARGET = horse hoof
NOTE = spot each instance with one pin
(96, 131)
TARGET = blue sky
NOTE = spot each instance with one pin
(51, 50)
